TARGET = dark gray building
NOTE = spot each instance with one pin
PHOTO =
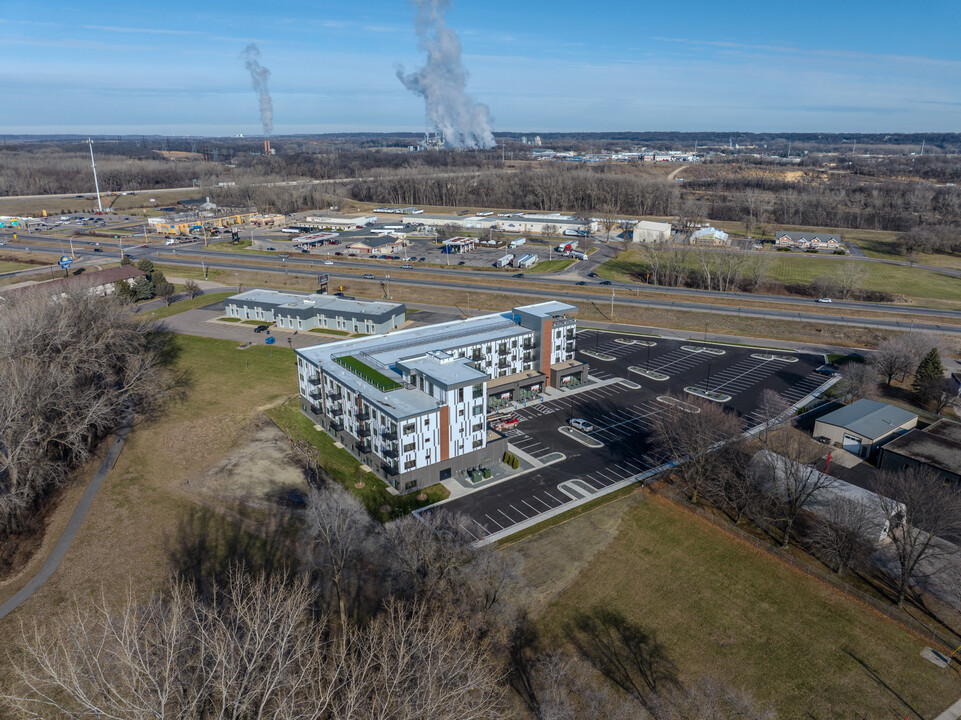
(306, 312)
(937, 447)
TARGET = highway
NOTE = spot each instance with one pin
(546, 286)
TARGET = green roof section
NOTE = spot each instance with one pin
(366, 372)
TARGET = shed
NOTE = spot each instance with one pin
(864, 425)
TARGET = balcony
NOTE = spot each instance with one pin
(389, 435)
(336, 425)
(363, 432)
(528, 357)
(314, 380)
(315, 409)
(390, 468)
(315, 394)
(335, 411)
(364, 446)
(390, 452)
(477, 357)
(334, 395)
(502, 364)
(362, 415)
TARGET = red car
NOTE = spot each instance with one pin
(508, 424)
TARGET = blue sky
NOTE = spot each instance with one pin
(173, 68)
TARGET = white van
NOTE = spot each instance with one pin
(170, 241)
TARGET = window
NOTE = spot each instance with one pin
(460, 394)
(478, 391)
(478, 410)
(409, 447)
(408, 428)
(410, 465)
(410, 484)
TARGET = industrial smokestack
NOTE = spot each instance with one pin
(259, 76)
(441, 82)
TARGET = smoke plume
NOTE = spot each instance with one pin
(259, 75)
(441, 82)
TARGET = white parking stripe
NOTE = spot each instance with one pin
(493, 521)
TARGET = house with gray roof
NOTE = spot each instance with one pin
(864, 425)
(936, 447)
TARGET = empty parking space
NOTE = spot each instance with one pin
(623, 419)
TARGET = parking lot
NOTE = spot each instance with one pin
(622, 418)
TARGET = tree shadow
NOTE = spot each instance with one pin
(207, 545)
(873, 674)
(623, 652)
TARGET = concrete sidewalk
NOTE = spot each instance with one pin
(73, 526)
(952, 713)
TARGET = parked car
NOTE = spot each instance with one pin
(824, 300)
(519, 275)
(606, 282)
(368, 276)
(592, 275)
(270, 248)
(580, 283)
(826, 370)
(261, 328)
(328, 262)
(338, 253)
(96, 249)
(407, 267)
(582, 425)
(462, 263)
(506, 424)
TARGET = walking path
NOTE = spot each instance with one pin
(73, 526)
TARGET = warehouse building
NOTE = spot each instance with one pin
(651, 232)
(864, 425)
(412, 405)
(292, 311)
(509, 222)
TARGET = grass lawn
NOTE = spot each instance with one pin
(243, 246)
(7, 266)
(800, 268)
(328, 331)
(189, 304)
(346, 470)
(552, 265)
(229, 319)
(371, 375)
(723, 609)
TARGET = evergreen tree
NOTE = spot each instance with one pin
(929, 369)
(122, 290)
(125, 260)
(145, 265)
(143, 289)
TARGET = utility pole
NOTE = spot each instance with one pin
(612, 303)
(95, 183)
(71, 248)
(121, 246)
(388, 286)
(203, 265)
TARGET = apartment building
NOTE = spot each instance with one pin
(293, 311)
(412, 405)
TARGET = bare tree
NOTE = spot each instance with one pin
(192, 288)
(732, 487)
(71, 370)
(892, 358)
(337, 528)
(841, 536)
(792, 482)
(252, 651)
(689, 432)
(711, 699)
(860, 381)
(926, 520)
(850, 278)
(772, 408)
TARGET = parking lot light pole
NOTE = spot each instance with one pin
(709, 376)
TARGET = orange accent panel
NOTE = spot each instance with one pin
(547, 341)
(444, 433)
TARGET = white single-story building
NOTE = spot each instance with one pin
(647, 231)
(774, 472)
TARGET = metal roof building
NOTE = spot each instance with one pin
(864, 425)
(937, 447)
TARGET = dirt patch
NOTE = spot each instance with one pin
(555, 557)
(261, 468)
